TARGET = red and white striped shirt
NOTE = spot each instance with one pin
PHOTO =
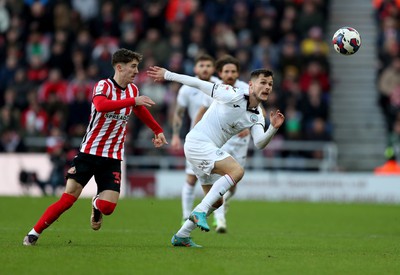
(106, 132)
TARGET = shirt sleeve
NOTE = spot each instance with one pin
(261, 138)
(145, 116)
(225, 93)
(103, 104)
(205, 86)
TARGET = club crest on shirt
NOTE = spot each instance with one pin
(253, 118)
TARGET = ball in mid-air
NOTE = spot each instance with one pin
(346, 40)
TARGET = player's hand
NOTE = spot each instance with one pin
(176, 143)
(157, 73)
(244, 133)
(144, 100)
(276, 118)
(159, 140)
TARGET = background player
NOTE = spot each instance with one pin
(190, 99)
(228, 69)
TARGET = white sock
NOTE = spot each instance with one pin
(33, 232)
(211, 210)
(228, 195)
(94, 202)
(187, 199)
(219, 213)
(218, 189)
(187, 227)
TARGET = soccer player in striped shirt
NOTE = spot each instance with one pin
(102, 147)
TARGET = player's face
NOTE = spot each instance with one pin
(262, 87)
(229, 74)
(128, 71)
(204, 69)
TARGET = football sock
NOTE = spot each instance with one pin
(54, 211)
(187, 199)
(228, 195)
(187, 227)
(211, 210)
(218, 189)
(219, 213)
(105, 207)
(33, 232)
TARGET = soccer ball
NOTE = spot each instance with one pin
(346, 41)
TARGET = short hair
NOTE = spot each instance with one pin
(204, 57)
(125, 56)
(226, 59)
(258, 72)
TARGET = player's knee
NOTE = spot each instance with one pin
(105, 207)
(191, 180)
(237, 173)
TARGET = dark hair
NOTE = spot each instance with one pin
(258, 72)
(125, 56)
(204, 57)
(226, 59)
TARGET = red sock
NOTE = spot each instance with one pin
(105, 207)
(54, 211)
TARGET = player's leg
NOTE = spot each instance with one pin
(182, 237)
(108, 179)
(231, 173)
(53, 212)
(188, 194)
(237, 148)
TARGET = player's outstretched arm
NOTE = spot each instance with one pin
(261, 138)
(160, 74)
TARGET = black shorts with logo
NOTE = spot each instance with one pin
(106, 171)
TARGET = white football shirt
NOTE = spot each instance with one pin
(190, 98)
(227, 116)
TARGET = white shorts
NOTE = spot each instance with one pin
(237, 148)
(202, 156)
(189, 168)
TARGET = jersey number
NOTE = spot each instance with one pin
(117, 177)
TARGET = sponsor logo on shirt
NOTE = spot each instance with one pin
(116, 116)
(99, 89)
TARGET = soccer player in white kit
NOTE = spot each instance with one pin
(232, 111)
(190, 99)
(228, 68)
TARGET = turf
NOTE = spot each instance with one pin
(263, 238)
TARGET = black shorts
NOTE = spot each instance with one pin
(106, 171)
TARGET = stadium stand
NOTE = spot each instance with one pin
(52, 51)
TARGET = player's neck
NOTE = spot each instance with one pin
(253, 102)
(119, 81)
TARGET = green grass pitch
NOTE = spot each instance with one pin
(262, 238)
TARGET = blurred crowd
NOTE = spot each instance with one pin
(53, 51)
(387, 15)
